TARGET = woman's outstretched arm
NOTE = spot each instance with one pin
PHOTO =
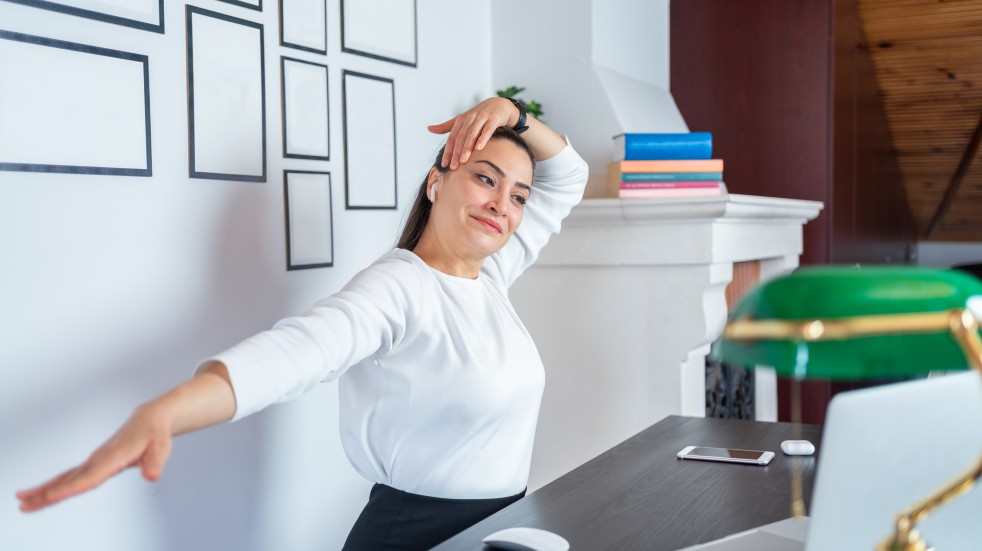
(473, 128)
(144, 440)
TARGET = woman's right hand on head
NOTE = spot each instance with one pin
(473, 128)
(143, 441)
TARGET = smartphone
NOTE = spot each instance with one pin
(728, 455)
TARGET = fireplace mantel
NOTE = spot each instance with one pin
(625, 303)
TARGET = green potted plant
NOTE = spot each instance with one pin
(532, 107)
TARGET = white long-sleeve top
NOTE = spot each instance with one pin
(441, 381)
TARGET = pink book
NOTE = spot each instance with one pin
(684, 192)
(669, 185)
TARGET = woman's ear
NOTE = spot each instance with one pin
(431, 183)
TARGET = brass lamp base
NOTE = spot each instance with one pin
(914, 543)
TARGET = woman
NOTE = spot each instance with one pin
(441, 381)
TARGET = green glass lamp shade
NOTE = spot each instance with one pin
(838, 293)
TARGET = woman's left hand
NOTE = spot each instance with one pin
(473, 128)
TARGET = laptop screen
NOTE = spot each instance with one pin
(885, 448)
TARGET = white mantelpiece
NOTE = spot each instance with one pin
(625, 303)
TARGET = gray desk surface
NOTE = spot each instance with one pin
(638, 495)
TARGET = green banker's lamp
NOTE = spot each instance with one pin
(854, 323)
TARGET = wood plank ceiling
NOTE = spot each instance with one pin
(928, 60)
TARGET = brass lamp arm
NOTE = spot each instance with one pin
(840, 328)
(906, 537)
(965, 330)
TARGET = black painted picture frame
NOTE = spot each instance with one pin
(300, 222)
(245, 4)
(297, 42)
(369, 122)
(197, 165)
(92, 12)
(309, 111)
(365, 30)
(143, 60)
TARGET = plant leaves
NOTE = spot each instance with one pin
(510, 92)
(533, 107)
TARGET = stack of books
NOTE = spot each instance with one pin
(664, 165)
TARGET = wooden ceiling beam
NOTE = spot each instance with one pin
(956, 180)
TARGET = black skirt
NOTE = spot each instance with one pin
(397, 520)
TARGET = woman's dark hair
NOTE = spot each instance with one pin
(419, 215)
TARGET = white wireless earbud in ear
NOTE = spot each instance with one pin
(432, 193)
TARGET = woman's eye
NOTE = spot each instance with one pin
(520, 199)
(486, 179)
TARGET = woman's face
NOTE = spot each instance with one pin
(478, 206)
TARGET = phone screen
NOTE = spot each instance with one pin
(726, 453)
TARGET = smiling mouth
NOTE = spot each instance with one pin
(488, 224)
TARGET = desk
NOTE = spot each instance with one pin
(638, 495)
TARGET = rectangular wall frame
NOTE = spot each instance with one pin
(309, 219)
(73, 108)
(226, 97)
(147, 15)
(303, 25)
(380, 29)
(369, 113)
(306, 120)
(251, 4)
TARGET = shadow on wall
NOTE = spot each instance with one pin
(209, 496)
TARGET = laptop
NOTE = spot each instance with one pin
(883, 449)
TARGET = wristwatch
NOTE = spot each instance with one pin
(520, 126)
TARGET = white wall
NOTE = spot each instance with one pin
(599, 67)
(631, 37)
(112, 288)
(945, 255)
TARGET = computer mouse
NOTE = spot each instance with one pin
(526, 539)
(797, 447)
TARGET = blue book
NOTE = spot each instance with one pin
(671, 176)
(641, 147)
